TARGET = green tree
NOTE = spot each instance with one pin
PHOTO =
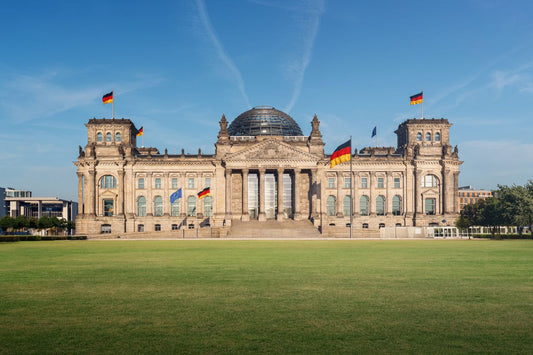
(7, 223)
(44, 223)
(21, 222)
(491, 214)
(517, 204)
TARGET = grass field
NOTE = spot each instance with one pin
(266, 297)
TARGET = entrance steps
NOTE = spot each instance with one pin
(273, 229)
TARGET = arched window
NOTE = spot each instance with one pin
(175, 208)
(430, 181)
(108, 182)
(158, 206)
(363, 206)
(99, 137)
(380, 205)
(330, 206)
(437, 137)
(419, 136)
(191, 206)
(346, 205)
(118, 137)
(428, 137)
(109, 137)
(141, 206)
(208, 206)
(396, 205)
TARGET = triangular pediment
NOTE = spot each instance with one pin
(273, 150)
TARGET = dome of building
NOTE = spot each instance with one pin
(264, 121)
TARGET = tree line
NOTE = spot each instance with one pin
(509, 206)
(21, 223)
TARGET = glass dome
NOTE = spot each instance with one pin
(264, 121)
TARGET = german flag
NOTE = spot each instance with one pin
(108, 98)
(140, 132)
(417, 99)
(341, 154)
(205, 192)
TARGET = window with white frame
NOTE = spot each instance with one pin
(158, 206)
(396, 182)
(190, 183)
(346, 208)
(364, 183)
(381, 182)
(347, 182)
(430, 205)
(174, 183)
(140, 183)
(141, 206)
(380, 205)
(363, 205)
(157, 183)
(331, 182)
(331, 209)
(429, 181)
(108, 182)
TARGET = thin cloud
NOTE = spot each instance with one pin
(224, 57)
(41, 95)
(311, 13)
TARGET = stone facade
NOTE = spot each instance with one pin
(125, 189)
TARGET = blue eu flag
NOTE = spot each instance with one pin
(374, 132)
(175, 196)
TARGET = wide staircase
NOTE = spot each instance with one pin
(273, 229)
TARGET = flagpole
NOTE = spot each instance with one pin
(351, 189)
(422, 107)
(113, 104)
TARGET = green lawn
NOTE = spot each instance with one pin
(266, 297)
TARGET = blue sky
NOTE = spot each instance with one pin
(177, 66)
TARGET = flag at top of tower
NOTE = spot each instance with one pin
(341, 154)
(108, 98)
(417, 99)
(140, 132)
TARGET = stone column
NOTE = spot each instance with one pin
(297, 188)
(80, 193)
(228, 195)
(166, 194)
(389, 183)
(262, 215)
(314, 192)
(245, 215)
(418, 197)
(280, 195)
(120, 200)
(91, 193)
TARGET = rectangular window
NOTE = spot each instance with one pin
(381, 183)
(108, 208)
(347, 183)
(141, 183)
(396, 183)
(364, 182)
(207, 182)
(430, 204)
(157, 183)
(140, 228)
(174, 183)
(331, 183)
(190, 184)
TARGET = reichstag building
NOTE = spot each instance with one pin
(265, 169)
